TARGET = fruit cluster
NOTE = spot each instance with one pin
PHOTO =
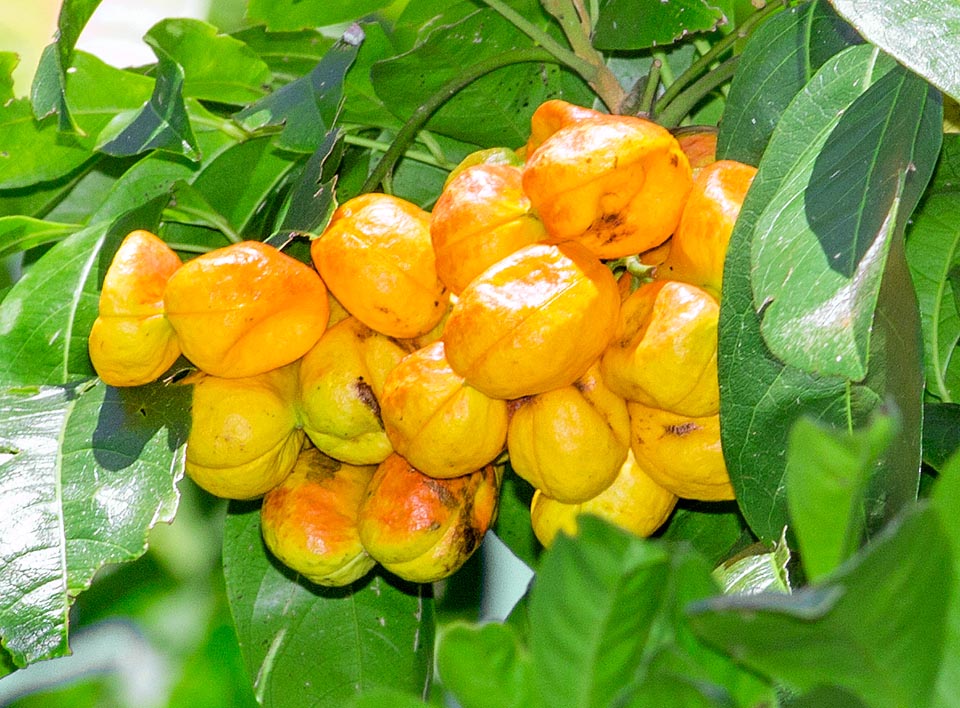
(369, 399)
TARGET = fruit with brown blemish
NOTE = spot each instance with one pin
(441, 424)
(309, 521)
(341, 381)
(424, 529)
(680, 453)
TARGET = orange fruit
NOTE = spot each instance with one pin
(377, 258)
(246, 308)
(552, 115)
(309, 520)
(615, 184)
(699, 246)
(443, 426)
(633, 501)
(480, 217)
(533, 321)
(664, 353)
(680, 453)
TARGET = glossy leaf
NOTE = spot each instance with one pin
(877, 623)
(162, 124)
(941, 433)
(780, 57)
(945, 501)
(758, 569)
(19, 233)
(291, 15)
(33, 152)
(307, 645)
(919, 33)
(626, 24)
(825, 233)
(827, 475)
(308, 106)
(486, 666)
(716, 530)
(506, 95)
(215, 67)
(49, 93)
(933, 249)
(87, 471)
(312, 198)
(288, 55)
(761, 397)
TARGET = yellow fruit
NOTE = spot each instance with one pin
(634, 502)
(131, 342)
(570, 442)
(341, 381)
(245, 434)
(681, 453)
(443, 426)
(534, 321)
(309, 521)
(665, 351)
(245, 309)
(615, 184)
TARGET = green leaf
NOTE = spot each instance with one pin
(380, 697)
(629, 24)
(827, 475)
(33, 152)
(288, 55)
(778, 60)
(236, 200)
(590, 616)
(162, 123)
(506, 96)
(292, 15)
(49, 92)
(312, 199)
(941, 433)
(761, 397)
(757, 569)
(307, 645)
(513, 518)
(875, 627)
(216, 67)
(921, 34)
(86, 471)
(945, 501)
(716, 530)
(8, 62)
(933, 249)
(20, 233)
(189, 206)
(308, 107)
(485, 666)
(46, 317)
(821, 243)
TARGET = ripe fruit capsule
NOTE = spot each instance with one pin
(377, 259)
(533, 321)
(131, 341)
(245, 433)
(309, 521)
(424, 529)
(245, 309)
(443, 426)
(615, 184)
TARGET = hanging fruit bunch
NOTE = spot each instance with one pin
(370, 400)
